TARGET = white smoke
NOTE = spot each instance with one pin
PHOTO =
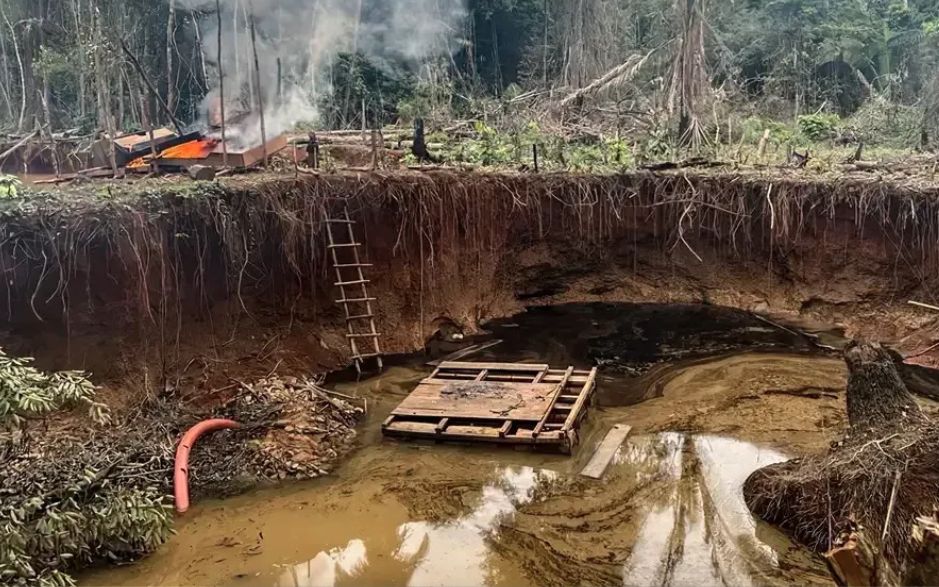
(304, 37)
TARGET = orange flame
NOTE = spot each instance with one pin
(197, 149)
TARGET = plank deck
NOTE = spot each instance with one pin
(482, 400)
(606, 451)
(504, 403)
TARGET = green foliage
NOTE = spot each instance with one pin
(10, 186)
(357, 80)
(490, 149)
(607, 155)
(26, 392)
(819, 126)
(42, 537)
(657, 144)
(54, 518)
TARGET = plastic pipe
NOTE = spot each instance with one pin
(181, 474)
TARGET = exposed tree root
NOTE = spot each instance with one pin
(873, 484)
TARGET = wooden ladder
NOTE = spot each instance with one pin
(352, 284)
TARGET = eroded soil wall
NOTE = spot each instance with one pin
(186, 286)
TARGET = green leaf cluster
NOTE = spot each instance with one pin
(27, 393)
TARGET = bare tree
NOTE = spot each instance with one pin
(170, 49)
(689, 84)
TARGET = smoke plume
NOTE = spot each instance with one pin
(298, 41)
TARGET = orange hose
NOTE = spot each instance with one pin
(181, 475)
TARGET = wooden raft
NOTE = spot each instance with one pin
(506, 403)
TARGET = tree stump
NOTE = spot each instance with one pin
(202, 172)
(859, 502)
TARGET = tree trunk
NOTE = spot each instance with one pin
(19, 63)
(877, 395)
(80, 48)
(104, 106)
(221, 80)
(6, 83)
(257, 79)
(170, 48)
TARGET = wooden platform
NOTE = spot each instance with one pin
(506, 403)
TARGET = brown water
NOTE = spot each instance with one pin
(669, 511)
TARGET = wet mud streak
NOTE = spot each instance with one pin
(671, 514)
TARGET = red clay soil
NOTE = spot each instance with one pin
(193, 293)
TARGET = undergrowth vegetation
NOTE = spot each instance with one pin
(53, 519)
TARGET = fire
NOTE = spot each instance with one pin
(197, 149)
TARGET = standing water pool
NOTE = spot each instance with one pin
(712, 395)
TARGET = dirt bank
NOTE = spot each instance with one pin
(189, 292)
(188, 283)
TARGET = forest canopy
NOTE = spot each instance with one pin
(68, 65)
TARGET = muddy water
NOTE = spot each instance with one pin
(669, 511)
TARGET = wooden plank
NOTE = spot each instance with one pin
(425, 430)
(465, 352)
(605, 452)
(581, 400)
(554, 399)
(505, 428)
(360, 317)
(483, 400)
(493, 366)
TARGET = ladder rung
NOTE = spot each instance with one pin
(339, 221)
(364, 335)
(360, 317)
(355, 300)
(340, 245)
(356, 282)
(365, 356)
(347, 265)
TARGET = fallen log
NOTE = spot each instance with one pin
(19, 144)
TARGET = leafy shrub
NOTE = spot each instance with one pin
(779, 132)
(10, 186)
(819, 126)
(26, 392)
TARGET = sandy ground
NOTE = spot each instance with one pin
(791, 402)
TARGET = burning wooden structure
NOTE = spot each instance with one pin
(132, 146)
(202, 150)
(504, 403)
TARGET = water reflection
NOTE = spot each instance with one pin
(698, 530)
(326, 567)
(454, 552)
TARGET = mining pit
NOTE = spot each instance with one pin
(714, 303)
